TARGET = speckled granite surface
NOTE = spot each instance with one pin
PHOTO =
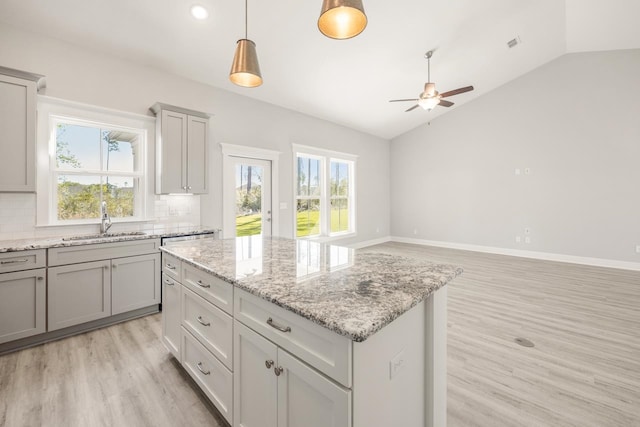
(57, 242)
(349, 292)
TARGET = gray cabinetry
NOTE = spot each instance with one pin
(181, 150)
(22, 304)
(18, 130)
(79, 293)
(135, 282)
(101, 280)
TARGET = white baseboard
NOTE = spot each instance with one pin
(572, 259)
(372, 242)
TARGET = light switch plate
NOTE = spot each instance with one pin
(396, 364)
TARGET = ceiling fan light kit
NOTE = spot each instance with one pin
(430, 97)
(342, 19)
(245, 69)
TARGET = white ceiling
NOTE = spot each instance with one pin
(348, 81)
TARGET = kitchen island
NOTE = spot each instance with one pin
(282, 332)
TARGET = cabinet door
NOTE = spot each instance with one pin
(135, 282)
(22, 304)
(172, 153)
(308, 399)
(255, 383)
(171, 315)
(78, 293)
(197, 159)
(17, 134)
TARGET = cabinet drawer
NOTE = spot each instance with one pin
(212, 326)
(213, 378)
(325, 350)
(172, 266)
(99, 251)
(22, 260)
(216, 291)
(22, 304)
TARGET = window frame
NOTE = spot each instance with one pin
(326, 157)
(52, 111)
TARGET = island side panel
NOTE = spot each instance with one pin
(383, 399)
(436, 359)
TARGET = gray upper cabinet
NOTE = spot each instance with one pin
(181, 150)
(18, 130)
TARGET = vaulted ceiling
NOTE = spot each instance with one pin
(349, 81)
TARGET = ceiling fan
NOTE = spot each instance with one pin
(431, 97)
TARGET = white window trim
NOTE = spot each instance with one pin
(51, 110)
(232, 150)
(326, 157)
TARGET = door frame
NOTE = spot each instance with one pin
(231, 150)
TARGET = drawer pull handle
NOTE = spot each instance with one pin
(271, 323)
(202, 285)
(278, 371)
(170, 267)
(202, 322)
(199, 365)
(168, 282)
(269, 363)
(14, 261)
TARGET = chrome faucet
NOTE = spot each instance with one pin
(105, 225)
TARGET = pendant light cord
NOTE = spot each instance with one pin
(246, 19)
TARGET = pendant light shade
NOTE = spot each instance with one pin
(342, 19)
(245, 70)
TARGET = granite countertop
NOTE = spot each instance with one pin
(61, 241)
(350, 292)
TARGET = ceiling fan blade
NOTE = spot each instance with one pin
(445, 103)
(456, 91)
(403, 100)
(412, 108)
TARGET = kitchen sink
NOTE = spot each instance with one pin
(104, 236)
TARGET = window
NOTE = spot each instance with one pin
(92, 163)
(324, 193)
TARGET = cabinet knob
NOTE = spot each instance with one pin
(40, 278)
(278, 371)
(269, 363)
(114, 265)
(106, 267)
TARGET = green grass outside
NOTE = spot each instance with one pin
(306, 224)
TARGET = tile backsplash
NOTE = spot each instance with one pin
(18, 217)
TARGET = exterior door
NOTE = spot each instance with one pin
(248, 203)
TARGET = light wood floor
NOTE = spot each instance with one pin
(583, 371)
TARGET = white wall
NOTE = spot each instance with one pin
(77, 74)
(575, 122)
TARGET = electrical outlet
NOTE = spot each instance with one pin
(527, 240)
(415, 231)
(638, 249)
(517, 171)
(518, 239)
(377, 230)
(396, 365)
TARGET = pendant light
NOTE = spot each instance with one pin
(342, 19)
(245, 70)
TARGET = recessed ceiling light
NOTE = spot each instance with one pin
(199, 12)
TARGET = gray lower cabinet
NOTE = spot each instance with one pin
(135, 282)
(171, 330)
(22, 304)
(78, 293)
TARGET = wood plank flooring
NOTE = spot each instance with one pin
(583, 371)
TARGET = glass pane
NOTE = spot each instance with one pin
(77, 147)
(78, 197)
(339, 215)
(339, 179)
(119, 150)
(308, 177)
(248, 199)
(308, 218)
(119, 193)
